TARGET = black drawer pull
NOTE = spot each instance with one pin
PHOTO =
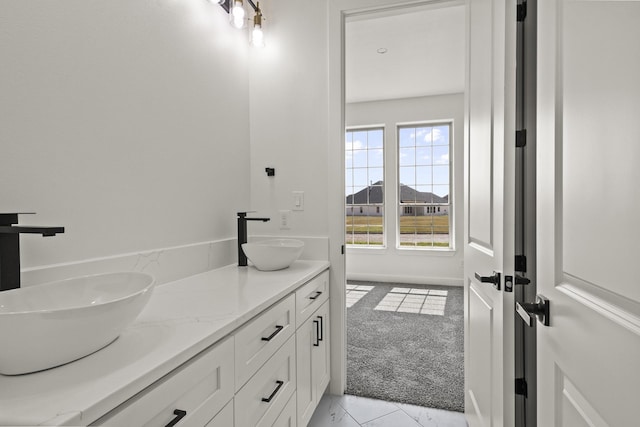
(320, 335)
(276, 332)
(273, 394)
(317, 343)
(318, 293)
(180, 414)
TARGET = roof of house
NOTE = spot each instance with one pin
(407, 195)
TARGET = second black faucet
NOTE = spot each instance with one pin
(242, 235)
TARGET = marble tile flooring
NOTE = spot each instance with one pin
(353, 411)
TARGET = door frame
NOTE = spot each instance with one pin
(338, 12)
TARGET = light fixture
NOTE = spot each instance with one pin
(235, 9)
(237, 14)
(257, 37)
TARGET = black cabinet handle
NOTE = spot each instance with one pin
(273, 394)
(321, 334)
(276, 332)
(317, 343)
(318, 293)
(180, 414)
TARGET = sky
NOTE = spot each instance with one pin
(423, 154)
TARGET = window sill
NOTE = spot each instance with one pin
(411, 251)
(403, 251)
(378, 250)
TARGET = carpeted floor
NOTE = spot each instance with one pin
(405, 343)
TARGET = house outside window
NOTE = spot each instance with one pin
(364, 192)
(424, 171)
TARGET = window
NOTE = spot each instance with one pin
(424, 170)
(364, 192)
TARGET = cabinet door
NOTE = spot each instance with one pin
(306, 337)
(312, 351)
(320, 354)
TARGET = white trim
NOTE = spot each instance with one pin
(414, 280)
(363, 127)
(451, 207)
(338, 11)
(428, 122)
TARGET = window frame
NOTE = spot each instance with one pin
(399, 206)
(379, 206)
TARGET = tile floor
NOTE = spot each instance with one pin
(352, 411)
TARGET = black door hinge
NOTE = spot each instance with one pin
(521, 387)
(521, 138)
(342, 249)
(522, 11)
(521, 263)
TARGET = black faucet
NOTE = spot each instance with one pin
(242, 235)
(10, 247)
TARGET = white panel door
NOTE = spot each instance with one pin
(489, 212)
(588, 212)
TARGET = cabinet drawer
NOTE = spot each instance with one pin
(287, 417)
(311, 296)
(259, 339)
(262, 399)
(224, 417)
(201, 387)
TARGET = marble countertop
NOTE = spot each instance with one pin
(181, 319)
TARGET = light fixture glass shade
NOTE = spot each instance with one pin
(237, 14)
(257, 36)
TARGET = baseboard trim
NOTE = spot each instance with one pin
(414, 280)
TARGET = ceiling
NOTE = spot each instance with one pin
(425, 53)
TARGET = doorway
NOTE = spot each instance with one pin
(404, 120)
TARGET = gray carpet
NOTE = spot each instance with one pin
(407, 357)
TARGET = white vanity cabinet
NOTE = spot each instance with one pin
(191, 395)
(271, 371)
(312, 346)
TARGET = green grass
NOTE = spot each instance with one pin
(408, 224)
(429, 244)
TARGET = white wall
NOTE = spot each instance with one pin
(127, 122)
(406, 265)
(289, 107)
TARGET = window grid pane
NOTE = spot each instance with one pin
(364, 189)
(424, 171)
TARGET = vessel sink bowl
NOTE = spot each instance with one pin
(274, 254)
(47, 325)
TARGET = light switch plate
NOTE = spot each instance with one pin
(298, 200)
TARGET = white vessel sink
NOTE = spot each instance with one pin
(274, 254)
(48, 325)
